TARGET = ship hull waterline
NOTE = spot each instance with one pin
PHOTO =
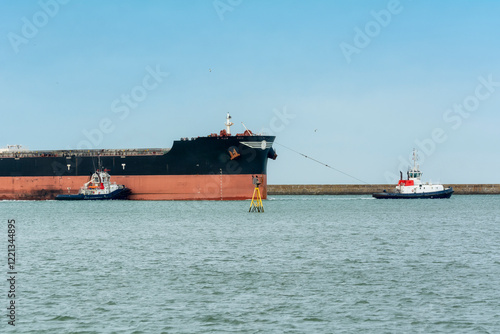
(143, 187)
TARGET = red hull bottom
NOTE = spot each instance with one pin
(149, 187)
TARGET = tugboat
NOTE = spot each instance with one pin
(413, 187)
(99, 188)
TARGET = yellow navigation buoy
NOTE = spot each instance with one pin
(256, 204)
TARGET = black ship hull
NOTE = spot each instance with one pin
(214, 167)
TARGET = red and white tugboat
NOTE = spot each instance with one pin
(413, 187)
(98, 188)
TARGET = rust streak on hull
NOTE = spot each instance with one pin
(144, 187)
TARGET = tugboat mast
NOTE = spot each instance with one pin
(415, 159)
(414, 173)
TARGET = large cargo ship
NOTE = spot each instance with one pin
(216, 167)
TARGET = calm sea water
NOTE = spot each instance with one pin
(309, 264)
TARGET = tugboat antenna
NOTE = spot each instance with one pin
(415, 159)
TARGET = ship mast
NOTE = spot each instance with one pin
(228, 124)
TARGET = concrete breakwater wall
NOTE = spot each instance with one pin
(365, 189)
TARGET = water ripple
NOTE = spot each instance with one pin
(309, 264)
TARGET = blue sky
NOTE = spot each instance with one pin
(424, 74)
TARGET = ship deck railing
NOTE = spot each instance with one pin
(84, 153)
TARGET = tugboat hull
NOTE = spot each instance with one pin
(117, 194)
(436, 194)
